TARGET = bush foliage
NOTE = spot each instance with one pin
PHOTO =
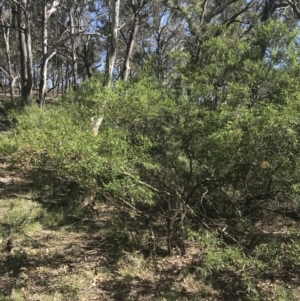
(218, 140)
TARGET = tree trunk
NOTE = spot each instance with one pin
(67, 79)
(74, 56)
(112, 50)
(45, 55)
(9, 65)
(43, 76)
(129, 49)
(24, 13)
(87, 61)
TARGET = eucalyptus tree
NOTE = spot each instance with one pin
(73, 26)
(24, 10)
(76, 37)
(48, 9)
(149, 31)
(6, 22)
(70, 29)
(167, 35)
(137, 9)
(114, 30)
(89, 52)
(93, 43)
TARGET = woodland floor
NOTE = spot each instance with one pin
(79, 261)
(57, 259)
(59, 255)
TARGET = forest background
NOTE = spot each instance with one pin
(178, 119)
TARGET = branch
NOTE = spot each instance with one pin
(97, 34)
(52, 9)
(293, 4)
(49, 57)
(61, 41)
(96, 67)
(18, 4)
(5, 71)
(204, 12)
(12, 27)
(145, 184)
(125, 202)
(233, 18)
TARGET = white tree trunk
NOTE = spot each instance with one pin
(46, 56)
(129, 49)
(112, 51)
(74, 56)
(8, 72)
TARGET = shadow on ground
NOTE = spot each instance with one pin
(97, 255)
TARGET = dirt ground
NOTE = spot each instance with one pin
(80, 261)
(54, 260)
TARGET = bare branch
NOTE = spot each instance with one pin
(145, 184)
(5, 71)
(293, 4)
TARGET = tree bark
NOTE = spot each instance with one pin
(43, 76)
(45, 55)
(87, 61)
(112, 50)
(8, 72)
(24, 14)
(74, 56)
(130, 44)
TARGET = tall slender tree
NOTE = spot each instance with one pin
(114, 29)
(46, 55)
(24, 16)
